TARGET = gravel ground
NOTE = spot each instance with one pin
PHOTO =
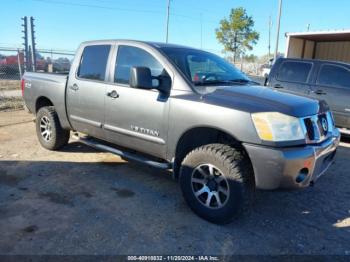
(11, 93)
(79, 201)
(9, 84)
(11, 103)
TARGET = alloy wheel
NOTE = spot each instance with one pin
(210, 186)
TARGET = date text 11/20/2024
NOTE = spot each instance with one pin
(172, 258)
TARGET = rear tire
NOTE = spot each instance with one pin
(219, 172)
(48, 129)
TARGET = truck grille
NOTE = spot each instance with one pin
(318, 127)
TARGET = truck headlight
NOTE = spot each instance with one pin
(274, 126)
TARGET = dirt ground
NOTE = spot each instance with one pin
(79, 201)
(10, 84)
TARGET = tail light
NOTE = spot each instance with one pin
(22, 86)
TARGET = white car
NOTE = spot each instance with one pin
(265, 72)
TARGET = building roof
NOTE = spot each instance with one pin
(322, 36)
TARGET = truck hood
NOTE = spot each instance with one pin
(255, 99)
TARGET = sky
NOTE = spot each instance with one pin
(63, 24)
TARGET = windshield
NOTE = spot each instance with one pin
(204, 69)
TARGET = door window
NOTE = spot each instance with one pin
(294, 72)
(332, 75)
(129, 56)
(93, 62)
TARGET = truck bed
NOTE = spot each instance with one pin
(49, 85)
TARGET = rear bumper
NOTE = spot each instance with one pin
(291, 167)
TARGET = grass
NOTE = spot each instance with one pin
(11, 103)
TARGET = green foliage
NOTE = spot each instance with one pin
(237, 33)
(264, 59)
(250, 58)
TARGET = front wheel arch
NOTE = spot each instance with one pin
(199, 136)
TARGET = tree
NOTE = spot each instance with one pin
(237, 33)
(265, 59)
(250, 58)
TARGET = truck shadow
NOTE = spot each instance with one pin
(117, 199)
(345, 139)
(76, 147)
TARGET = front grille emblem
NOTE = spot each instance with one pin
(324, 124)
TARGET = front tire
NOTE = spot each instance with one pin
(217, 182)
(48, 129)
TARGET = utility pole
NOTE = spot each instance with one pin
(269, 47)
(201, 31)
(30, 58)
(33, 43)
(308, 27)
(19, 63)
(25, 43)
(167, 22)
(278, 28)
(235, 47)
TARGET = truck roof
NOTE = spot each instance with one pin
(128, 41)
(314, 60)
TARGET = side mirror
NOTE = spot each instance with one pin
(164, 84)
(141, 77)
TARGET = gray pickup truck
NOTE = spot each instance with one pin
(189, 111)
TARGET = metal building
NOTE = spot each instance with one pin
(325, 45)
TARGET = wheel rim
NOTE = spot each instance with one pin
(45, 128)
(210, 186)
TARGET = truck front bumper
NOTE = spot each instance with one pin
(293, 167)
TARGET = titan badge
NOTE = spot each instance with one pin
(146, 131)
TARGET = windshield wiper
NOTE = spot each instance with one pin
(225, 82)
(244, 81)
(240, 80)
(212, 82)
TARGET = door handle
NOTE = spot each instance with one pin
(319, 92)
(278, 86)
(74, 87)
(113, 94)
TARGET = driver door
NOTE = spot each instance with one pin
(136, 118)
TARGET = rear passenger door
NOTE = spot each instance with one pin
(86, 90)
(333, 85)
(293, 77)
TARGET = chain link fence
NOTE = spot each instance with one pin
(13, 66)
(254, 70)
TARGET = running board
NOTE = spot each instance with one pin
(344, 131)
(126, 155)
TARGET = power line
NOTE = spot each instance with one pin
(98, 6)
(194, 18)
(44, 51)
(199, 19)
(123, 9)
(270, 25)
(158, 3)
(201, 31)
